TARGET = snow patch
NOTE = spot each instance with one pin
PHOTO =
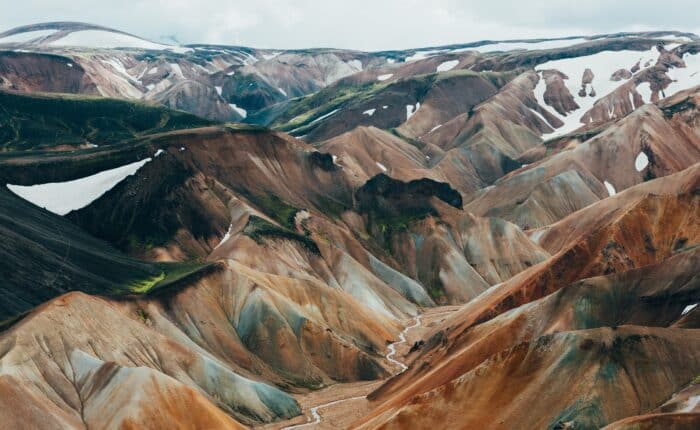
(691, 404)
(239, 110)
(384, 77)
(219, 90)
(419, 55)
(411, 110)
(176, 68)
(447, 65)
(109, 39)
(322, 117)
(603, 65)
(158, 153)
(152, 71)
(684, 77)
(688, 309)
(435, 128)
(369, 112)
(609, 187)
(644, 90)
(63, 197)
(283, 92)
(381, 166)
(355, 64)
(226, 237)
(525, 45)
(641, 162)
(271, 55)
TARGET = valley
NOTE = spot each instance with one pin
(496, 234)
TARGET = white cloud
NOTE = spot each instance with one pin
(360, 24)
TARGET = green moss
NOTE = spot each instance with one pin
(259, 229)
(145, 285)
(41, 121)
(274, 207)
(142, 314)
(170, 274)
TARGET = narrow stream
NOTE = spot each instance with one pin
(316, 416)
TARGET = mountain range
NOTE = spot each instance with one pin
(497, 234)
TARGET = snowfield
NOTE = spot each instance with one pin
(511, 46)
(64, 197)
(27, 36)
(447, 65)
(603, 65)
(109, 39)
(686, 77)
(384, 77)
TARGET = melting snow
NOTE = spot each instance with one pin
(419, 55)
(322, 117)
(641, 162)
(176, 68)
(63, 197)
(381, 166)
(603, 65)
(109, 39)
(355, 64)
(411, 110)
(644, 90)
(539, 115)
(226, 236)
(684, 77)
(447, 65)
(688, 309)
(369, 112)
(242, 112)
(510, 46)
(691, 403)
(384, 77)
(609, 187)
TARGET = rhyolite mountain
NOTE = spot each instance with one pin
(209, 236)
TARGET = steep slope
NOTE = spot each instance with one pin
(651, 296)
(50, 122)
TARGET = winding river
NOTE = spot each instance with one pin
(315, 414)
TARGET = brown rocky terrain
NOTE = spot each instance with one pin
(488, 235)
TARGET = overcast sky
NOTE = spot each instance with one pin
(359, 24)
